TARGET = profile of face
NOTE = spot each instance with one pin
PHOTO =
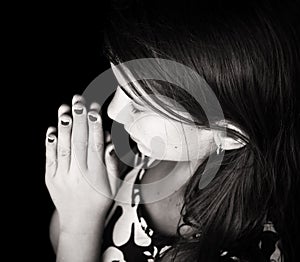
(156, 135)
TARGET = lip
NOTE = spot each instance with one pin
(135, 139)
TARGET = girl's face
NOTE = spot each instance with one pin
(156, 135)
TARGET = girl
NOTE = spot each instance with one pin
(249, 56)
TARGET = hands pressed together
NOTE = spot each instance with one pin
(78, 167)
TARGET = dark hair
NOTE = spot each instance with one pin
(249, 55)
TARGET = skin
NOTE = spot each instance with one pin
(157, 136)
(78, 181)
(174, 143)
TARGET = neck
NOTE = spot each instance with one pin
(177, 167)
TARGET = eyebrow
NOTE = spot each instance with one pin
(129, 95)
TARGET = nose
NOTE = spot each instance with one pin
(119, 110)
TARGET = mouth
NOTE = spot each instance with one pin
(131, 136)
(135, 139)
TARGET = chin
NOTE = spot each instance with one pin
(143, 150)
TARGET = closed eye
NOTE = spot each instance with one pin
(134, 109)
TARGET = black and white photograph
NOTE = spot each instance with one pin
(159, 131)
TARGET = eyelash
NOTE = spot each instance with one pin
(135, 110)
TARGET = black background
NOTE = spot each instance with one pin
(57, 52)
(53, 51)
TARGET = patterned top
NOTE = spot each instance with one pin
(128, 236)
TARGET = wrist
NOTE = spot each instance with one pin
(79, 247)
(82, 223)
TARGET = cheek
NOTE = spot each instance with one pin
(169, 140)
(154, 127)
(191, 144)
(154, 134)
(200, 143)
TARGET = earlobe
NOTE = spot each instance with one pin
(231, 143)
(225, 142)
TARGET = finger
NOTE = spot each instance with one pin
(95, 107)
(96, 142)
(79, 134)
(63, 109)
(78, 99)
(51, 147)
(107, 137)
(64, 143)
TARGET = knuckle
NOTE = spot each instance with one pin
(49, 179)
(97, 127)
(50, 162)
(63, 151)
(97, 147)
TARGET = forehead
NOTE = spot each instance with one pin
(120, 76)
(122, 80)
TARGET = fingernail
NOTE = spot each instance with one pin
(112, 151)
(51, 139)
(93, 118)
(78, 111)
(65, 122)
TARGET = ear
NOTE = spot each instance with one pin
(226, 142)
